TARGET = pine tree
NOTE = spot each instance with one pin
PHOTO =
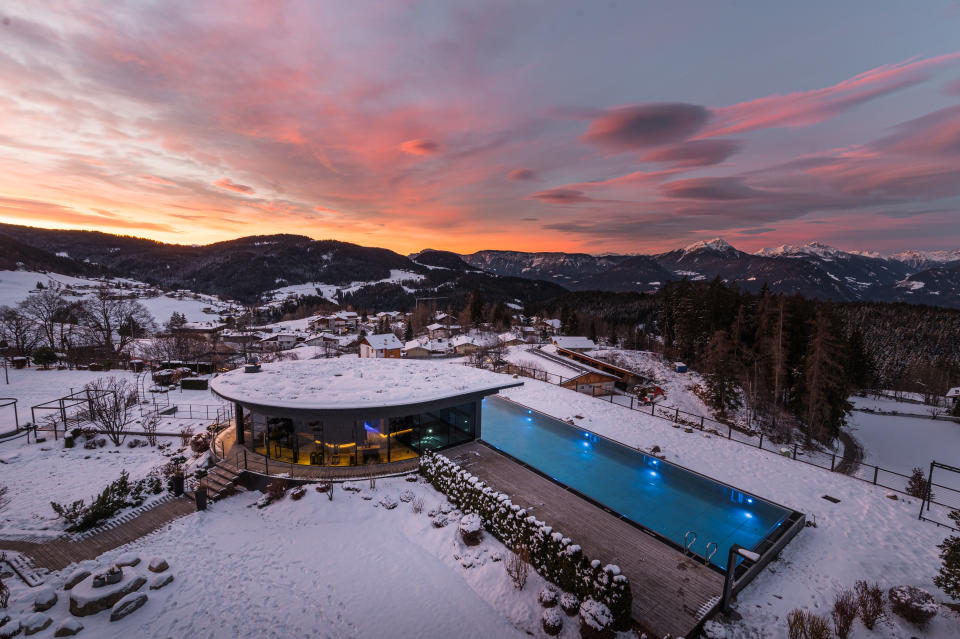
(593, 331)
(408, 331)
(948, 578)
(822, 396)
(721, 374)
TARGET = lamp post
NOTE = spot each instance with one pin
(735, 551)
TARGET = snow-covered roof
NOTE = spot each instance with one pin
(954, 392)
(383, 341)
(434, 327)
(573, 341)
(345, 383)
(555, 323)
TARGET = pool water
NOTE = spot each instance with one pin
(662, 497)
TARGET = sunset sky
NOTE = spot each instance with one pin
(579, 126)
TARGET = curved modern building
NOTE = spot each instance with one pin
(354, 411)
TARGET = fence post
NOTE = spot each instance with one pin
(676, 415)
(244, 458)
(701, 422)
(833, 461)
(876, 469)
(929, 487)
(652, 407)
(729, 432)
(631, 403)
(760, 445)
(795, 456)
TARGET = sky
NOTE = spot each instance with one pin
(618, 126)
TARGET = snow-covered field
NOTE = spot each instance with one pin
(317, 568)
(865, 536)
(15, 286)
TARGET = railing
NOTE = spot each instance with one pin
(946, 496)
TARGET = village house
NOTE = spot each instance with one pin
(385, 345)
(440, 331)
(423, 348)
(279, 341)
(576, 343)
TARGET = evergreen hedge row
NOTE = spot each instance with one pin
(552, 555)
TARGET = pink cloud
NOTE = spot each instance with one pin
(420, 147)
(521, 175)
(230, 185)
(804, 108)
(645, 125)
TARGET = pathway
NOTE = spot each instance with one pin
(63, 551)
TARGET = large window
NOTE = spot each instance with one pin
(371, 441)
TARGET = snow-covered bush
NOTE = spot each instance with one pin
(518, 567)
(416, 505)
(870, 603)
(388, 502)
(552, 621)
(569, 603)
(803, 624)
(200, 443)
(548, 596)
(595, 620)
(844, 612)
(555, 557)
(406, 496)
(440, 521)
(297, 493)
(917, 485)
(470, 527)
(913, 604)
(118, 494)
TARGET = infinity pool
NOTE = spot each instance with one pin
(666, 499)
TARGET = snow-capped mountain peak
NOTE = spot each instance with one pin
(716, 244)
(817, 249)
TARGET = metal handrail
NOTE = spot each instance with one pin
(687, 545)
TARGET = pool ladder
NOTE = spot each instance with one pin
(690, 538)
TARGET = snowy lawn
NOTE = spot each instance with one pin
(36, 474)
(865, 536)
(32, 386)
(316, 568)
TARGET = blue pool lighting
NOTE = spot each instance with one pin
(665, 499)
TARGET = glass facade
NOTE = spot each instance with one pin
(350, 443)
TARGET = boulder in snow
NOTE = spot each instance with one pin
(76, 577)
(44, 599)
(128, 559)
(160, 581)
(86, 600)
(127, 605)
(158, 564)
(68, 627)
(36, 623)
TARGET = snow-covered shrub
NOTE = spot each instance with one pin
(569, 603)
(416, 505)
(186, 433)
(870, 603)
(548, 596)
(913, 604)
(555, 557)
(595, 620)
(470, 527)
(200, 443)
(276, 489)
(351, 487)
(803, 624)
(948, 578)
(406, 496)
(714, 630)
(518, 567)
(440, 521)
(298, 493)
(552, 621)
(844, 612)
(388, 502)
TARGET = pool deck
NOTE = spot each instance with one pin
(671, 592)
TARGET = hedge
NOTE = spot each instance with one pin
(552, 555)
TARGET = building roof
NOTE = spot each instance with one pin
(573, 341)
(342, 384)
(381, 342)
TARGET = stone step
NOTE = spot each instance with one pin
(223, 475)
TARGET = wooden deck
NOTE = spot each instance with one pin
(59, 553)
(669, 590)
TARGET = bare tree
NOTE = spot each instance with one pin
(150, 425)
(113, 321)
(17, 330)
(112, 404)
(46, 310)
(518, 566)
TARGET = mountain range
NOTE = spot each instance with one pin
(814, 270)
(246, 268)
